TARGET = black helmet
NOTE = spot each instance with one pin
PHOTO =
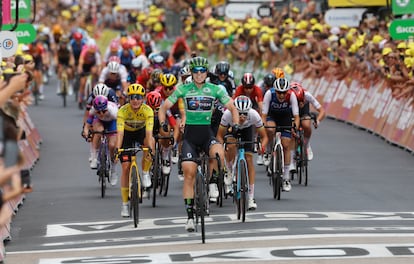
(222, 67)
(248, 79)
(269, 79)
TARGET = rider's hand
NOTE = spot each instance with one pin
(235, 128)
(316, 123)
(293, 131)
(164, 126)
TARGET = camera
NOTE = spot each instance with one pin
(25, 178)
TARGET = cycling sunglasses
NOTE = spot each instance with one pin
(199, 69)
(169, 88)
(101, 111)
(135, 96)
(243, 113)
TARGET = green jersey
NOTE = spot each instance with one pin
(199, 102)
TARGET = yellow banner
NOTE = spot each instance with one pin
(357, 3)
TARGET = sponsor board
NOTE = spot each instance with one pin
(344, 16)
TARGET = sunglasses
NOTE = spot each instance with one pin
(199, 69)
(102, 111)
(281, 92)
(135, 96)
(243, 113)
(28, 62)
(169, 88)
(248, 87)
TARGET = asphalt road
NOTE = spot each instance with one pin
(357, 208)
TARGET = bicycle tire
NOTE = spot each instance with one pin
(201, 197)
(305, 167)
(220, 182)
(134, 195)
(64, 88)
(166, 183)
(278, 172)
(155, 175)
(236, 191)
(244, 189)
(299, 161)
(102, 170)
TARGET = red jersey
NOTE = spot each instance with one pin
(256, 95)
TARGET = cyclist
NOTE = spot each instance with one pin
(89, 62)
(221, 76)
(99, 89)
(267, 82)
(135, 124)
(305, 99)
(77, 43)
(114, 75)
(184, 74)
(251, 90)
(103, 116)
(279, 106)
(64, 58)
(249, 122)
(174, 115)
(199, 99)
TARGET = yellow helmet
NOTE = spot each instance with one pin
(136, 88)
(278, 72)
(168, 79)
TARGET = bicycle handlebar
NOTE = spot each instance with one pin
(105, 132)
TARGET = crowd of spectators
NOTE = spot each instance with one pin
(301, 41)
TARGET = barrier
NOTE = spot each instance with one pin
(365, 103)
(29, 147)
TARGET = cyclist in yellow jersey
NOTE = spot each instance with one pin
(135, 123)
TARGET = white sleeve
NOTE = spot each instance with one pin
(256, 120)
(226, 119)
(102, 76)
(123, 73)
(312, 100)
(266, 102)
(113, 110)
(98, 58)
(294, 104)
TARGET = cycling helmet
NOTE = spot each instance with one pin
(243, 103)
(115, 59)
(113, 67)
(114, 46)
(64, 39)
(136, 88)
(281, 85)
(185, 71)
(158, 59)
(248, 79)
(137, 62)
(198, 62)
(231, 74)
(168, 79)
(278, 72)
(146, 37)
(156, 76)
(100, 89)
(100, 103)
(137, 50)
(188, 80)
(154, 99)
(77, 35)
(269, 79)
(222, 67)
(298, 90)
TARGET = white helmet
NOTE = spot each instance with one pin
(113, 67)
(281, 85)
(137, 62)
(185, 71)
(243, 103)
(146, 37)
(100, 89)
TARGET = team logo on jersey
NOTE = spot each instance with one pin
(206, 90)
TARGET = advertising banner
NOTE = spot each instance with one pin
(401, 7)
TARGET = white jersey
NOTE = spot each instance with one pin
(253, 119)
(110, 115)
(312, 100)
(123, 74)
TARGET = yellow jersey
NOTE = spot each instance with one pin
(131, 120)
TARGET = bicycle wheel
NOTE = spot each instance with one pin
(200, 199)
(220, 182)
(244, 189)
(165, 181)
(305, 166)
(277, 175)
(134, 194)
(64, 87)
(102, 170)
(155, 175)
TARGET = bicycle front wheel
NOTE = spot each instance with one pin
(156, 176)
(243, 189)
(134, 195)
(102, 171)
(64, 88)
(201, 199)
(277, 175)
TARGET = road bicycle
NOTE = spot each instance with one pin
(64, 84)
(275, 169)
(160, 181)
(301, 154)
(135, 184)
(201, 201)
(104, 159)
(241, 177)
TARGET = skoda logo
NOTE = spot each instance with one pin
(402, 3)
(7, 44)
